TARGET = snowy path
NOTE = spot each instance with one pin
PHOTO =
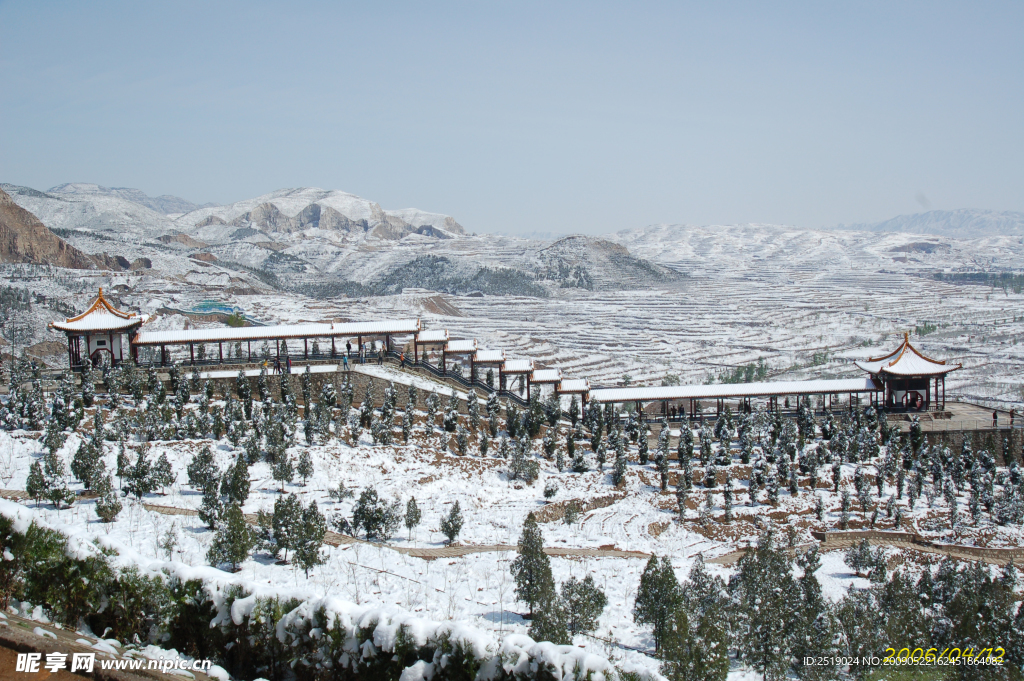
(336, 539)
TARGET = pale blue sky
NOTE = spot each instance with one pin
(561, 117)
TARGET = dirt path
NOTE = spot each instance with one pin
(836, 541)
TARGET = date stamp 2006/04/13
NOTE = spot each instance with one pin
(950, 656)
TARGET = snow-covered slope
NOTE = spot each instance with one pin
(964, 223)
(165, 204)
(66, 207)
(774, 251)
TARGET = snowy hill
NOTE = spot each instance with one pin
(963, 224)
(165, 204)
(780, 252)
(66, 207)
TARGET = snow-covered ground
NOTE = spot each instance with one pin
(478, 587)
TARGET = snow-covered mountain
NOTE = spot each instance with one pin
(311, 212)
(92, 208)
(165, 204)
(965, 223)
(303, 213)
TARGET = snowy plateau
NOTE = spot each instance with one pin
(663, 303)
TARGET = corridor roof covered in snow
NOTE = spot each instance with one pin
(686, 392)
(229, 334)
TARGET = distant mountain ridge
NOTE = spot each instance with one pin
(964, 223)
(165, 204)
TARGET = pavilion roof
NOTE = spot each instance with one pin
(101, 316)
(906, 360)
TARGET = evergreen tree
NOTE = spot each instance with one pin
(54, 437)
(657, 598)
(107, 505)
(163, 474)
(583, 602)
(140, 478)
(407, 424)
(412, 515)
(473, 408)
(310, 538)
(451, 524)
(643, 446)
(35, 483)
(305, 466)
(285, 523)
(87, 464)
(684, 450)
(513, 420)
(695, 647)
(765, 592)
(574, 411)
(619, 469)
(451, 414)
(412, 399)
(531, 569)
(328, 395)
(661, 463)
(522, 466)
(377, 517)
(682, 493)
(706, 445)
(433, 403)
(534, 415)
(88, 389)
(283, 470)
(579, 462)
(462, 440)
(306, 386)
(234, 540)
(552, 409)
(727, 498)
(235, 483)
(212, 506)
(551, 621)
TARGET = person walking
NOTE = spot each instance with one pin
(401, 363)
(380, 357)
(348, 348)
(288, 360)
(344, 362)
(995, 418)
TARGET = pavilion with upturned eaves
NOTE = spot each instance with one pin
(100, 333)
(908, 378)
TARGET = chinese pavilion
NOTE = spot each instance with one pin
(101, 332)
(909, 379)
